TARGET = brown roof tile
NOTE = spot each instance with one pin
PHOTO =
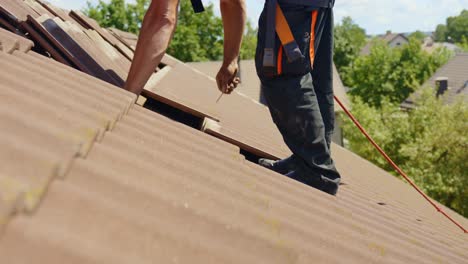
(37, 7)
(56, 11)
(70, 48)
(10, 42)
(250, 84)
(178, 194)
(238, 114)
(152, 188)
(128, 39)
(16, 10)
(89, 23)
(174, 90)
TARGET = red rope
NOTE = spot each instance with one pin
(398, 169)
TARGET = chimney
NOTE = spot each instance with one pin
(441, 85)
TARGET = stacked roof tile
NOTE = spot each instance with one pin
(88, 176)
(128, 38)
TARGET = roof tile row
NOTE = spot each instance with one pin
(138, 187)
(10, 42)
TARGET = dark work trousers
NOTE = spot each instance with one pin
(300, 97)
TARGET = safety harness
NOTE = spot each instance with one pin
(197, 6)
(277, 23)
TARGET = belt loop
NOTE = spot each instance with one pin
(270, 33)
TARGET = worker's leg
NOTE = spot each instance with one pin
(322, 72)
(295, 109)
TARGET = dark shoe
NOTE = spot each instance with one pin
(321, 183)
(280, 166)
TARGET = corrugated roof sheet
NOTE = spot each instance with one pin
(108, 181)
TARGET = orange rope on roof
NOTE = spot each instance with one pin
(395, 166)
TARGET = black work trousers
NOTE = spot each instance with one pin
(300, 94)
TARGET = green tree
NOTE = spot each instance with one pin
(249, 43)
(464, 44)
(429, 143)
(440, 33)
(198, 37)
(457, 27)
(135, 13)
(454, 30)
(392, 73)
(118, 14)
(349, 40)
(419, 35)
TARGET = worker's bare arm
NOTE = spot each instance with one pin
(155, 35)
(233, 13)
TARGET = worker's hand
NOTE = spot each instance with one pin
(226, 78)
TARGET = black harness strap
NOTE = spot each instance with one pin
(197, 6)
(292, 51)
(269, 60)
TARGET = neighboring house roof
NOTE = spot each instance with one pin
(431, 47)
(88, 176)
(250, 85)
(387, 38)
(392, 36)
(456, 70)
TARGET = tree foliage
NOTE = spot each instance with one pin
(249, 43)
(430, 143)
(349, 40)
(419, 35)
(392, 73)
(118, 14)
(440, 33)
(454, 30)
(198, 37)
(464, 44)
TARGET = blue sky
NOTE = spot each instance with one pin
(376, 16)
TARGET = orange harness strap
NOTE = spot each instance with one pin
(291, 49)
(312, 38)
(279, 61)
(276, 23)
(287, 39)
(282, 28)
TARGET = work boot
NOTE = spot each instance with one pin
(280, 166)
(321, 183)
